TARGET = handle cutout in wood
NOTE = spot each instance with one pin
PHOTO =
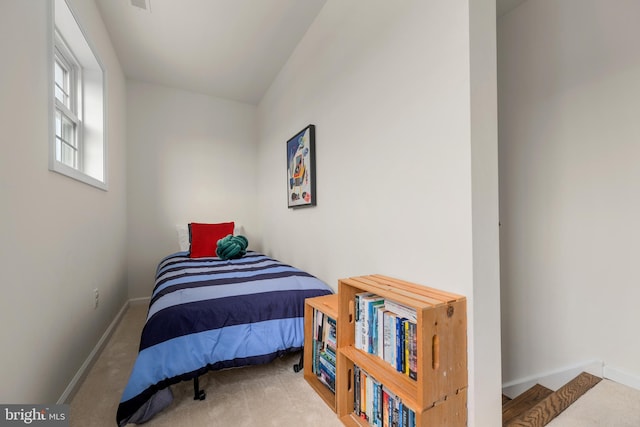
(349, 376)
(435, 352)
(351, 311)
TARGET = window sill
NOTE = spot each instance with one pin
(77, 175)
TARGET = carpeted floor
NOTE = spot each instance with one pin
(607, 404)
(274, 395)
(269, 395)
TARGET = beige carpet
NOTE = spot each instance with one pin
(607, 404)
(269, 395)
(274, 395)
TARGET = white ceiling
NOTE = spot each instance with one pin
(231, 49)
(227, 48)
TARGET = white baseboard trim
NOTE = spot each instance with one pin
(622, 377)
(84, 368)
(553, 379)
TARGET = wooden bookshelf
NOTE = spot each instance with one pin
(327, 304)
(438, 394)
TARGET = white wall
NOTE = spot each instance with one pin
(569, 183)
(484, 328)
(59, 238)
(388, 86)
(190, 158)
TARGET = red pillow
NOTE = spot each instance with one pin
(204, 237)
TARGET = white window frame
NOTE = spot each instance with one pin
(70, 110)
(86, 109)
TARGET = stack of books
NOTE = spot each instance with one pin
(324, 349)
(377, 405)
(388, 330)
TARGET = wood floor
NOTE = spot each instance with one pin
(539, 405)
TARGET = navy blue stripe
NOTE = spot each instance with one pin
(180, 257)
(207, 272)
(208, 269)
(209, 262)
(128, 408)
(228, 281)
(185, 319)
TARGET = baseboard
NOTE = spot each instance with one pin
(84, 368)
(553, 379)
(622, 377)
(138, 301)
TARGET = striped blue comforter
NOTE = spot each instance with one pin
(209, 314)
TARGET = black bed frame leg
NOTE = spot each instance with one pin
(198, 394)
(298, 366)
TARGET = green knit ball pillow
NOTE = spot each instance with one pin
(231, 247)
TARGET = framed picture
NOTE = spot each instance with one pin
(301, 168)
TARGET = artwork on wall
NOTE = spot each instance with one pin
(301, 168)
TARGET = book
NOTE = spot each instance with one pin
(395, 417)
(413, 351)
(370, 302)
(327, 364)
(318, 321)
(389, 349)
(402, 310)
(379, 341)
(400, 344)
(360, 339)
(328, 381)
(323, 361)
(405, 365)
(314, 353)
(385, 408)
(331, 335)
(330, 354)
(376, 406)
(356, 390)
(369, 398)
(375, 403)
(363, 395)
(405, 416)
(380, 413)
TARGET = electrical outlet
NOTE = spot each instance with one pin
(96, 296)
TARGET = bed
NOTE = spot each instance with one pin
(209, 313)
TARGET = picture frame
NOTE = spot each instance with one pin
(301, 168)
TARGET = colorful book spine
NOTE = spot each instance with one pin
(400, 344)
(385, 407)
(405, 365)
(413, 351)
(389, 333)
(382, 331)
(324, 349)
(372, 325)
(376, 404)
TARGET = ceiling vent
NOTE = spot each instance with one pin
(142, 4)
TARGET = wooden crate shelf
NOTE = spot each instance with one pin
(327, 304)
(438, 394)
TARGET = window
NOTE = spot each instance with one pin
(77, 144)
(67, 91)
